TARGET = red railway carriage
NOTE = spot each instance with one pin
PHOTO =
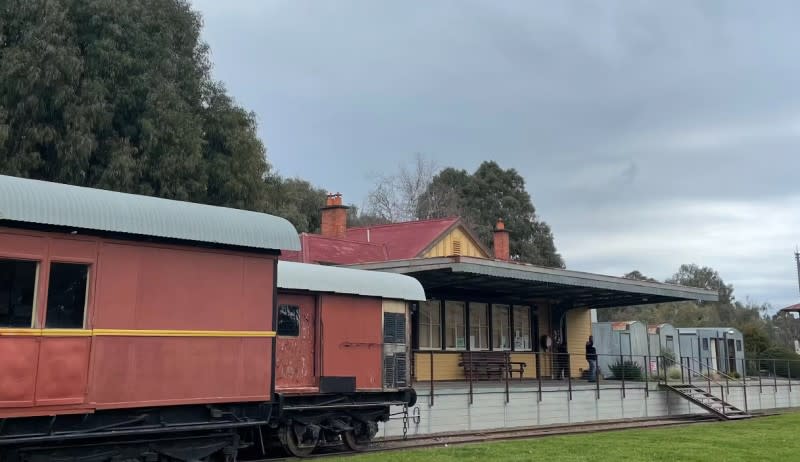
(136, 316)
(342, 351)
(143, 329)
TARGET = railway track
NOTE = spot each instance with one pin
(446, 439)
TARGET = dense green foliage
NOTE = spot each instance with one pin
(118, 95)
(778, 361)
(762, 332)
(764, 439)
(481, 198)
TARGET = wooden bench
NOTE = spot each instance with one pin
(490, 365)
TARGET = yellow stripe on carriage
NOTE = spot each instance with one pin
(182, 333)
(23, 332)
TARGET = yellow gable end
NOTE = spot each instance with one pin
(456, 242)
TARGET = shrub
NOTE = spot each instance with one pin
(736, 375)
(674, 373)
(628, 370)
(669, 356)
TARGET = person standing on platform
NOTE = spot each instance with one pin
(591, 357)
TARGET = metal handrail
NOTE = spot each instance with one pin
(708, 382)
(716, 371)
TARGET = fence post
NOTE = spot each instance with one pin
(727, 384)
(775, 374)
(658, 370)
(431, 359)
(622, 367)
(539, 373)
(506, 374)
(469, 375)
(744, 385)
(597, 379)
(569, 374)
(789, 374)
(688, 370)
(683, 379)
(758, 371)
(647, 377)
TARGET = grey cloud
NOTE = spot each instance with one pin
(624, 117)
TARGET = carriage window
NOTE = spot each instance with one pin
(478, 326)
(670, 344)
(288, 320)
(430, 333)
(17, 292)
(705, 344)
(738, 345)
(66, 296)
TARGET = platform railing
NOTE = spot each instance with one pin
(569, 371)
(541, 368)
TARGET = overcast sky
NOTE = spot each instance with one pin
(650, 134)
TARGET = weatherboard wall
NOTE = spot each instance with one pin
(456, 242)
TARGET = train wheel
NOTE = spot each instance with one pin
(360, 437)
(291, 444)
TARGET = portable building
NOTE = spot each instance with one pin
(663, 340)
(619, 341)
(707, 349)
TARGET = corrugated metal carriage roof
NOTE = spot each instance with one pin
(319, 278)
(44, 203)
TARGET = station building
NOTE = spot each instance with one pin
(479, 300)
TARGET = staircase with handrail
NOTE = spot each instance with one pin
(703, 397)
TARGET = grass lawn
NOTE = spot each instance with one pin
(762, 439)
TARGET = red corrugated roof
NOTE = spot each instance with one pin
(330, 250)
(793, 308)
(403, 240)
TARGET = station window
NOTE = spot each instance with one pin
(501, 327)
(738, 345)
(522, 328)
(17, 292)
(66, 295)
(430, 325)
(478, 326)
(288, 320)
(705, 344)
(454, 318)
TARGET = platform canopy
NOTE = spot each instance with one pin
(319, 278)
(32, 202)
(472, 278)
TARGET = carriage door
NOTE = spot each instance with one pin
(295, 365)
(395, 345)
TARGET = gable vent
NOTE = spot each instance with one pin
(456, 247)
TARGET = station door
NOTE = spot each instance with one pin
(295, 360)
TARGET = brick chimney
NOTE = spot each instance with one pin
(501, 246)
(334, 217)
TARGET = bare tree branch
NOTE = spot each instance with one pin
(395, 197)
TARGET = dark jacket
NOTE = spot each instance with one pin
(591, 352)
